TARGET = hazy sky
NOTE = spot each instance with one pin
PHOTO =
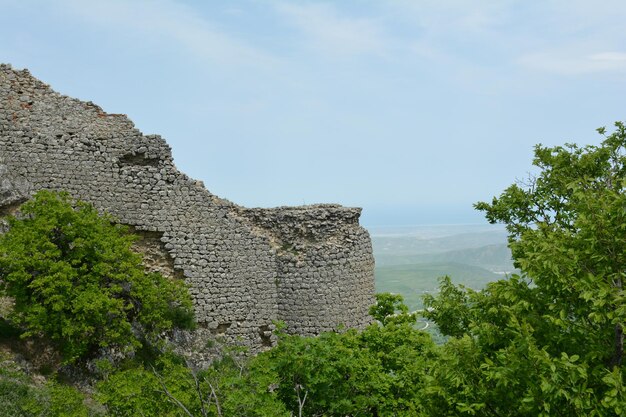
(411, 109)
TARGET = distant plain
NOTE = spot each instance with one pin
(410, 259)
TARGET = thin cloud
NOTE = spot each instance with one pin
(513, 41)
(330, 33)
(453, 18)
(601, 62)
(175, 22)
(609, 57)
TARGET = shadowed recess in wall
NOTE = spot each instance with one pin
(140, 159)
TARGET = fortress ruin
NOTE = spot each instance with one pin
(311, 267)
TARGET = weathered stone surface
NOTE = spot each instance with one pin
(309, 266)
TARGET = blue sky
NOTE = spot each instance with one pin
(412, 110)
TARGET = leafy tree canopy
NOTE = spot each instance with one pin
(550, 341)
(379, 371)
(75, 279)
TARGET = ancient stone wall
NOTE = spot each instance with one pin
(309, 266)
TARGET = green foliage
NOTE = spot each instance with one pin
(568, 235)
(377, 372)
(404, 354)
(16, 394)
(548, 342)
(75, 279)
(244, 387)
(20, 396)
(390, 308)
(327, 375)
(139, 391)
(230, 387)
(380, 371)
(449, 309)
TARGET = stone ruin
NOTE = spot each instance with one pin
(311, 266)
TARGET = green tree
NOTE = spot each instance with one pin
(75, 279)
(379, 371)
(330, 375)
(548, 342)
(232, 386)
(21, 396)
(567, 233)
(404, 354)
(391, 308)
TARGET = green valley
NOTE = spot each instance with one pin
(409, 260)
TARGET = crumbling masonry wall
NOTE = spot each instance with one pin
(311, 267)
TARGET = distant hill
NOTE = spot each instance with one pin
(415, 280)
(411, 245)
(409, 260)
(495, 258)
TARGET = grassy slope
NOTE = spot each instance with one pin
(414, 280)
(409, 261)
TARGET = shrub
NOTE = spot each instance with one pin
(75, 279)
